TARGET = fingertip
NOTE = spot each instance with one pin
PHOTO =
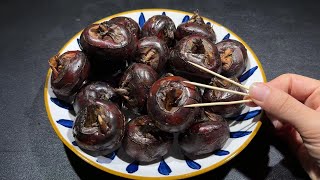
(259, 91)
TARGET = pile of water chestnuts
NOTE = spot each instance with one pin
(127, 87)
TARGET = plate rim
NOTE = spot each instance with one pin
(191, 174)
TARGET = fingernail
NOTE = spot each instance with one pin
(275, 124)
(259, 91)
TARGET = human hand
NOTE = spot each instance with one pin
(292, 103)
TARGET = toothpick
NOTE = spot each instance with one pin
(216, 88)
(218, 103)
(218, 75)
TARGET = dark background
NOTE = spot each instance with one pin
(285, 35)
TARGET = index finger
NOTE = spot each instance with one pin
(299, 87)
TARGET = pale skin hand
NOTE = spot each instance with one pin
(292, 103)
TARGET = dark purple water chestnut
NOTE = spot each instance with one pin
(69, 71)
(135, 84)
(108, 46)
(161, 26)
(108, 39)
(131, 25)
(144, 142)
(165, 104)
(195, 26)
(208, 134)
(153, 52)
(94, 91)
(99, 128)
(233, 56)
(226, 111)
(196, 49)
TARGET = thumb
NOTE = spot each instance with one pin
(284, 107)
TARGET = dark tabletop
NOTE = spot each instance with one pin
(285, 35)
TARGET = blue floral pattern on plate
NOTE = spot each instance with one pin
(226, 37)
(79, 44)
(65, 122)
(221, 153)
(192, 164)
(61, 103)
(239, 134)
(185, 19)
(247, 74)
(142, 20)
(247, 115)
(111, 155)
(163, 168)
(106, 159)
(132, 167)
(74, 143)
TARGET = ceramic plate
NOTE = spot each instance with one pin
(175, 165)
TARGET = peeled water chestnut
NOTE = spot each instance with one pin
(195, 26)
(161, 26)
(233, 56)
(135, 84)
(94, 91)
(144, 142)
(69, 71)
(99, 128)
(209, 133)
(226, 111)
(153, 52)
(196, 49)
(165, 104)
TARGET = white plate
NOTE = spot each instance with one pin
(242, 129)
